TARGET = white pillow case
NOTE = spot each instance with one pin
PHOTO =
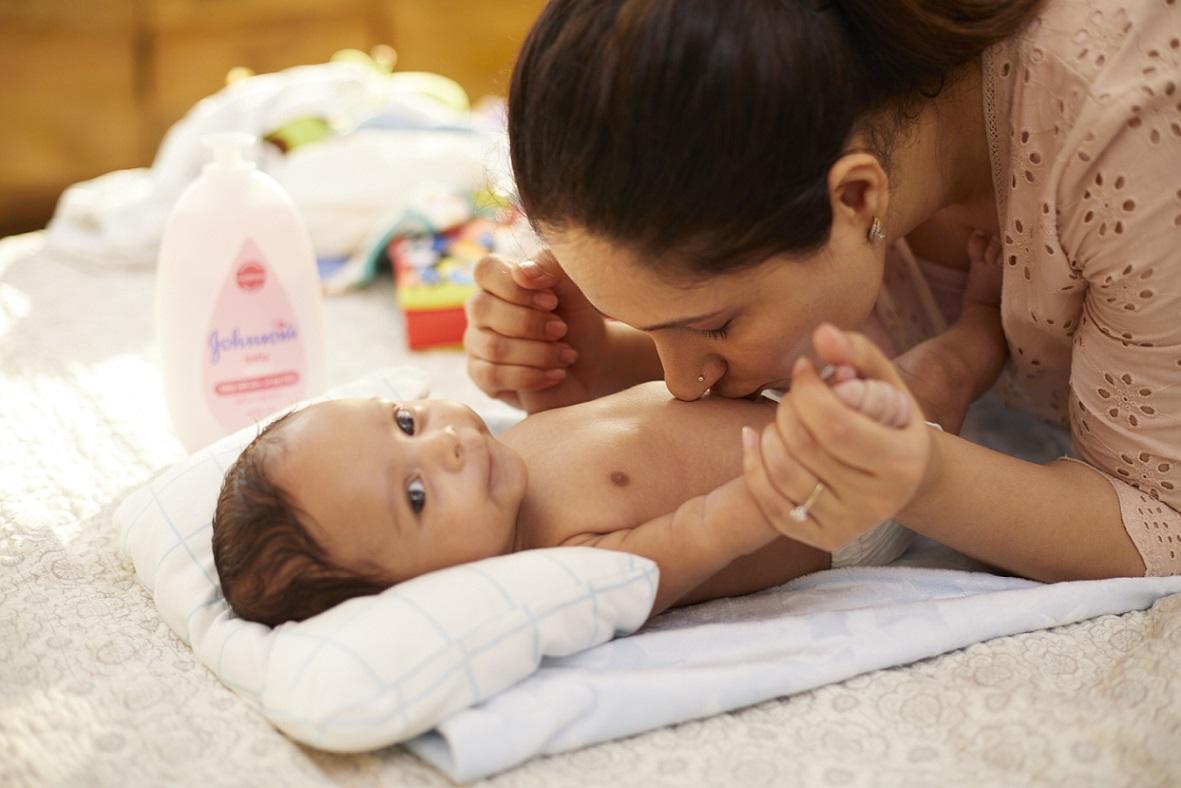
(380, 669)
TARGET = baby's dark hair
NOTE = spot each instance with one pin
(700, 133)
(271, 569)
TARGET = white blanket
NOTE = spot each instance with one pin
(730, 653)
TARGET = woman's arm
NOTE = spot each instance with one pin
(1052, 522)
(1049, 522)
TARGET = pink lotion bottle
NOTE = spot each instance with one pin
(239, 314)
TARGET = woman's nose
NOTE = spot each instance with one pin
(688, 375)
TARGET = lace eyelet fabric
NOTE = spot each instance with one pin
(1083, 116)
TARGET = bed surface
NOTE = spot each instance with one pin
(95, 690)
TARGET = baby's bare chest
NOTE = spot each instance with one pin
(612, 478)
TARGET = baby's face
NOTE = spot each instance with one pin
(400, 488)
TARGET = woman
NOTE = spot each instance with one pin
(725, 177)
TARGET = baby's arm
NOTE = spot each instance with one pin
(706, 534)
(948, 372)
(695, 542)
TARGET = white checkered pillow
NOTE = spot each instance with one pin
(380, 669)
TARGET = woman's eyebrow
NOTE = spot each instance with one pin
(684, 321)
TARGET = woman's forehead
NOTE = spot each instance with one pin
(614, 277)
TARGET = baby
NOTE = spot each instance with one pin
(349, 497)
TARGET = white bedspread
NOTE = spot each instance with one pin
(95, 690)
(732, 653)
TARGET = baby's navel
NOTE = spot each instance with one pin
(620, 479)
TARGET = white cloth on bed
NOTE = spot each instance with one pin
(730, 653)
(876, 547)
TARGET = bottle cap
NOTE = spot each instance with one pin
(231, 150)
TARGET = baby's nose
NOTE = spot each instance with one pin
(447, 447)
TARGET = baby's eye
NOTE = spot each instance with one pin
(416, 495)
(405, 420)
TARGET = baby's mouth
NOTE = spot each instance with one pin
(493, 471)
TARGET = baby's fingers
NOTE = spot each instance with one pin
(984, 248)
(876, 399)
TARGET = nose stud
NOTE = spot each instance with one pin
(701, 378)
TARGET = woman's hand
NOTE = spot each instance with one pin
(868, 471)
(532, 339)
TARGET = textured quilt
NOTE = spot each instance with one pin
(95, 690)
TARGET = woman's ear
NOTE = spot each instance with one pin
(858, 190)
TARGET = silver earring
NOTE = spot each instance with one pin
(876, 233)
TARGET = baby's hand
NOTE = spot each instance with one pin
(876, 399)
(985, 271)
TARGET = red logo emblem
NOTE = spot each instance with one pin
(251, 276)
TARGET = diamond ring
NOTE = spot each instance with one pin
(800, 513)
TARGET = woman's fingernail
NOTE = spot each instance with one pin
(531, 269)
(545, 300)
(555, 328)
(555, 374)
(801, 364)
(568, 355)
(749, 438)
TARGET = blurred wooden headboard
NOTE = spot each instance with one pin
(89, 87)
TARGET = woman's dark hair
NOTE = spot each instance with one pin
(705, 129)
(270, 567)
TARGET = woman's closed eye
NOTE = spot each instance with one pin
(416, 495)
(719, 332)
(404, 419)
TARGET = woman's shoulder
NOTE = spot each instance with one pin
(1078, 55)
(1085, 80)
(1088, 39)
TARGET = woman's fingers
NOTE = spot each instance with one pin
(516, 283)
(836, 347)
(488, 311)
(496, 379)
(820, 506)
(528, 327)
(846, 435)
(488, 345)
(772, 502)
(795, 458)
